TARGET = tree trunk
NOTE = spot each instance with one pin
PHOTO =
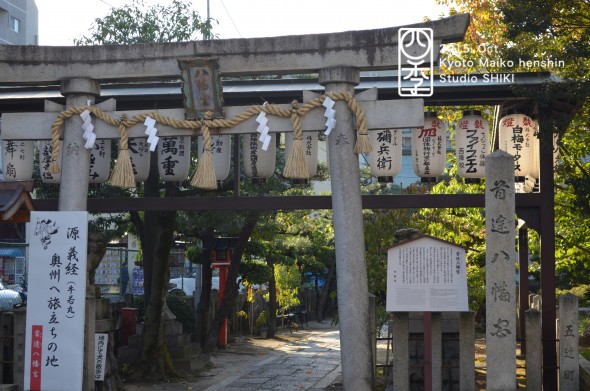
(321, 305)
(226, 304)
(272, 300)
(152, 357)
(156, 233)
(204, 301)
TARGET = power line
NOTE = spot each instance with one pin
(231, 19)
(110, 5)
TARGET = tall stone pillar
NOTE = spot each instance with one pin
(500, 271)
(73, 194)
(351, 269)
(75, 165)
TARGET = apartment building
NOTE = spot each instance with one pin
(19, 22)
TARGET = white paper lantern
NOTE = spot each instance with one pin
(258, 163)
(17, 159)
(139, 152)
(221, 151)
(535, 171)
(100, 161)
(174, 158)
(472, 140)
(45, 152)
(386, 153)
(516, 137)
(429, 147)
(310, 148)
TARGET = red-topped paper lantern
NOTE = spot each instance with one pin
(386, 153)
(472, 140)
(429, 148)
(516, 136)
(258, 163)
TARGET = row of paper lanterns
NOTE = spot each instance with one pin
(517, 136)
(173, 157)
(428, 148)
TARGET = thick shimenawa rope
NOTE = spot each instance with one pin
(204, 176)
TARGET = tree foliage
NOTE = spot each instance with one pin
(554, 33)
(138, 23)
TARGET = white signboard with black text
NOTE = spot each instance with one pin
(426, 274)
(54, 349)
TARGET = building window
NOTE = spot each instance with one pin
(15, 24)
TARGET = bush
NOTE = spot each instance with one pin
(582, 292)
(183, 311)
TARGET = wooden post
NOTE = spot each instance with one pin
(436, 351)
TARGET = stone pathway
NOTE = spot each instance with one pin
(307, 359)
(309, 364)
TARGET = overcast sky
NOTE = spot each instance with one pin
(60, 21)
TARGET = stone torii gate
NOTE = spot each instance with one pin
(337, 57)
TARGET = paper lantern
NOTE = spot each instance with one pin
(310, 148)
(258, 163)
(139, 152)
(174, 158)
(516, 137)
(45, 152)
(386, 153)
(221, 150)
(472, 140)
(100, 161)
(17, 159)
(429, 147)
(535, 172)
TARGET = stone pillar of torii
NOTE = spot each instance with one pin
(338, 57)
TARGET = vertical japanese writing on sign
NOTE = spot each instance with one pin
(101, 342)
(55, 310)
(426, 275)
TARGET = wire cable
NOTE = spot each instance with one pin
(231, 19)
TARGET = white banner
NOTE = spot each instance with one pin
(54, 350)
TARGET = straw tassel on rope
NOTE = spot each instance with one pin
(296, 165)
(122, 175)
(362, 141)
(204, 177)
(55, 130)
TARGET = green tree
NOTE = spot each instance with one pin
(156, 230)
(138, 23)
(524, 31)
